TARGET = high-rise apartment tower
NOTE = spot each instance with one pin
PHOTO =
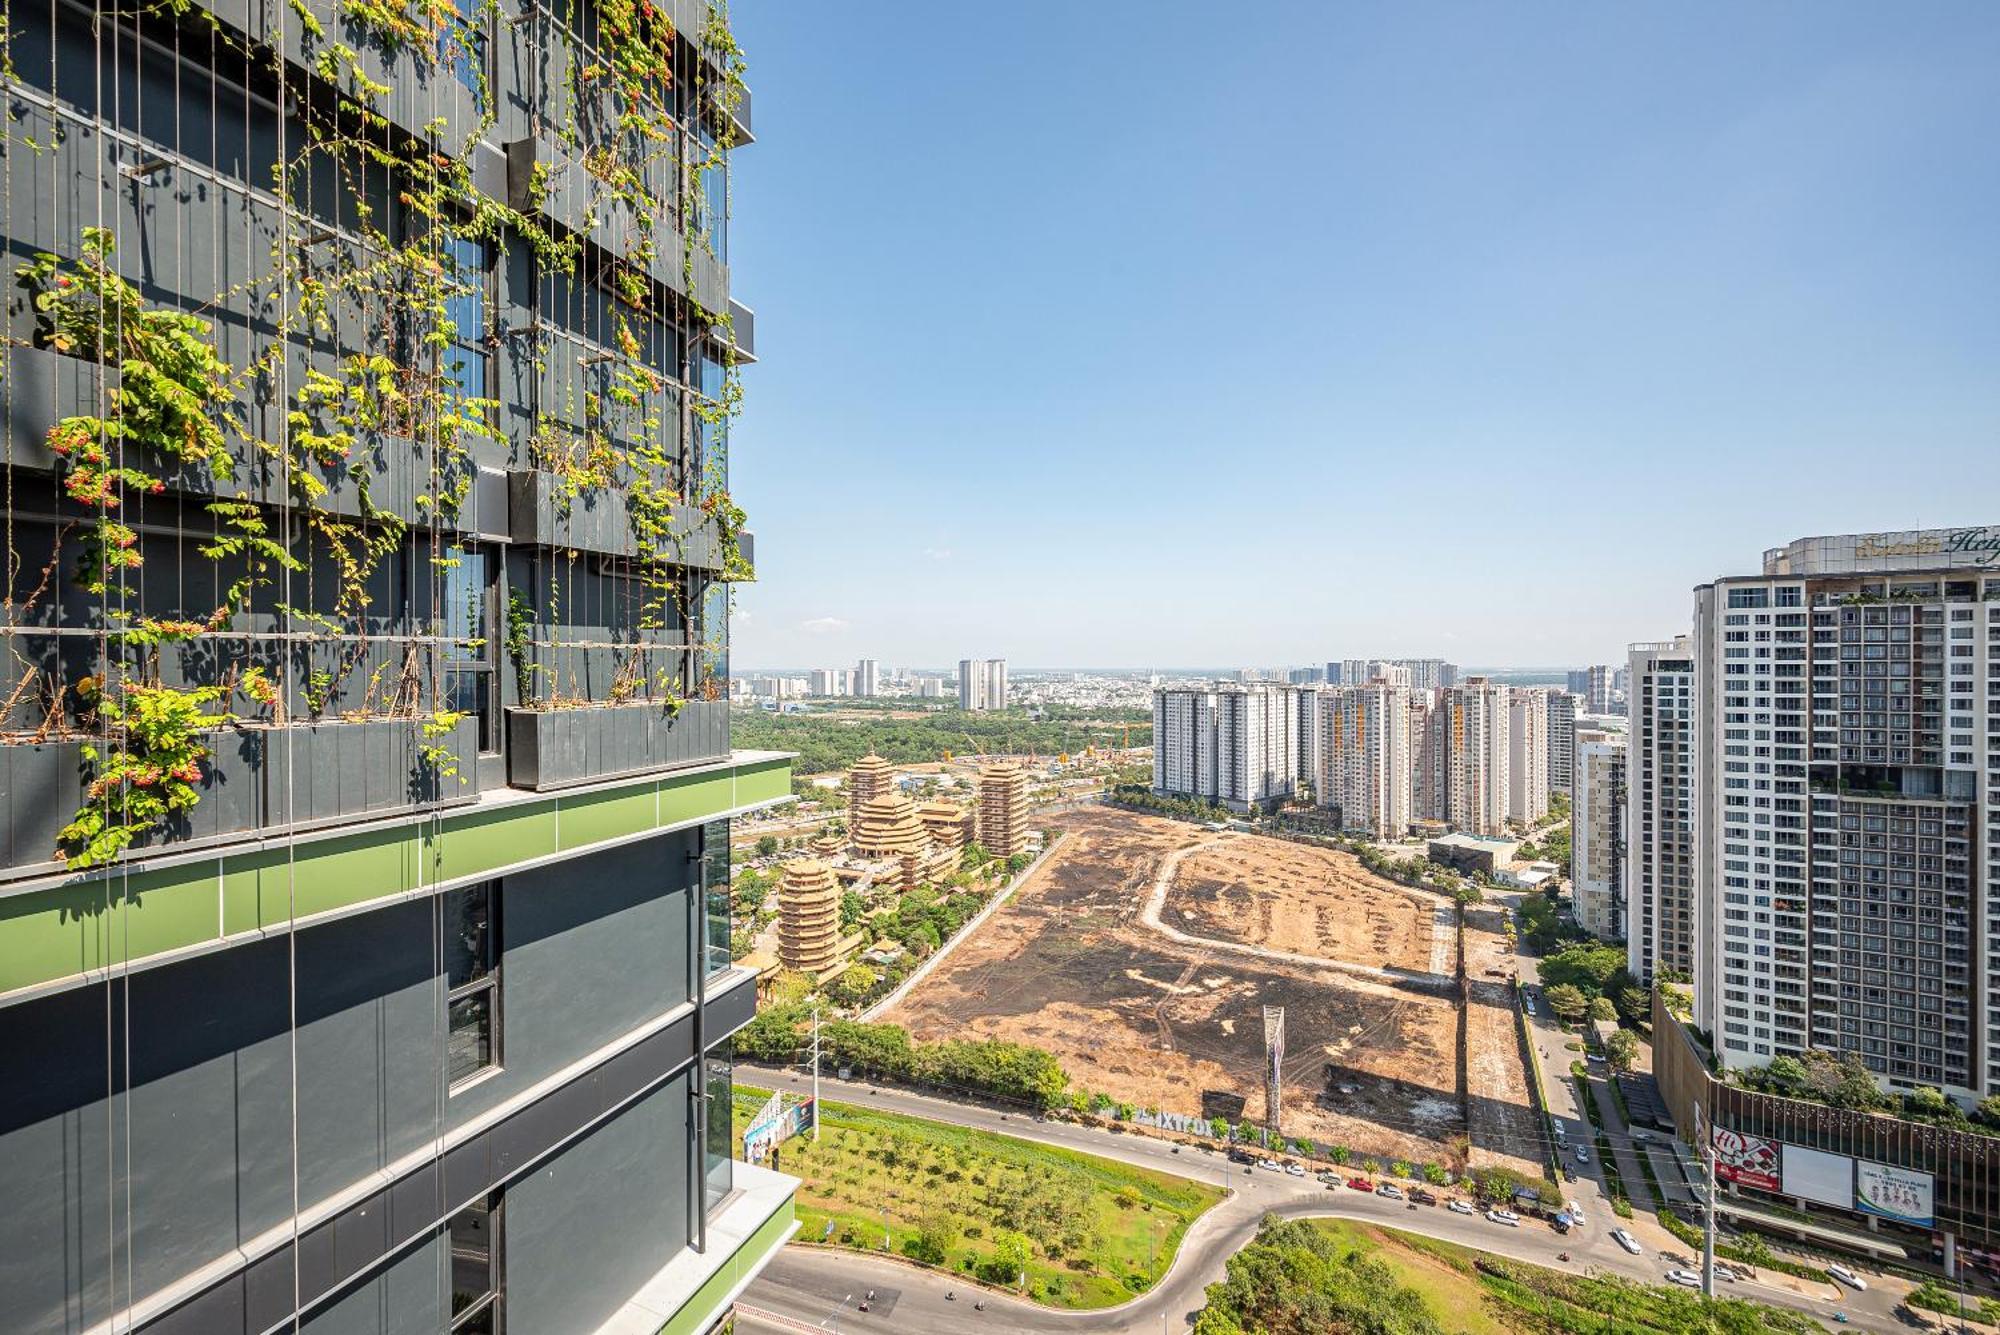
(366, 962)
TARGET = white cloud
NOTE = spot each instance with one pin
(739, 613)
(823, 626)
(938, 553)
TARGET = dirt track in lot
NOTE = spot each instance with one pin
(1069, 966)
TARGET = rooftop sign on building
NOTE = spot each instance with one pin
(1863, 553)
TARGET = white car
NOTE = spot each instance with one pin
(1848, 1277)
(1390, 1190)
(1582, 1154)
(1271, 1164)
(1296, 1169)
(1575, 1213)
(1626, 1240)
(1460, 1207)
(1685, 1278)
(1507, 1217)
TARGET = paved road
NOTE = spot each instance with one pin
(813, 1289)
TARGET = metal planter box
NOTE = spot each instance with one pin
(540, 515)
(254, 779)
(559, 748)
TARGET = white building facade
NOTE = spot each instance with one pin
(1528, 756)
(1562, 740)
(1234, 745)
(1597, 834)
(982, 683)
(1844, 788)
(1365, 758)
(1476, 739)
(1659, 810)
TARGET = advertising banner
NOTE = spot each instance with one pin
(1902, 1194)
(768, 1132)
(1750, 1161)
(1815, 1175)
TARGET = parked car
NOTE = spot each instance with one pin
(1390, 1190)
(1422, 1197)
(1360, 1184)
(1575, 1213)
(1626, 1240)
(1582, 1154)
(1240, 1156)
(1327, 1175)
(1848, 1277)
(1271, 1164)
(1296, 1169)
(1507, 1217)
(1685, 1278)
(1457, 1206)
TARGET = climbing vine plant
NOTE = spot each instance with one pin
(297, 532)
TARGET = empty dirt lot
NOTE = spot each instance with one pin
(1069, 965)
(1298, 898)
(1506, 1130)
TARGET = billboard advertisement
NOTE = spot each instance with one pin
(1818, 1176)
(1750, 1161)
(775, 1124)
(1902, 1194)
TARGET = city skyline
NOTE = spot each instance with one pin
(1544, 301)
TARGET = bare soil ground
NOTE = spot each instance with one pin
(1506, 1130)
(1068, 966)
(1296, 897)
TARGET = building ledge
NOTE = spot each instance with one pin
(696, 1289)
(68, 933)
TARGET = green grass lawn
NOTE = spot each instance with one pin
(1437, 1270)
(1100, 1231)
(1512, 1298)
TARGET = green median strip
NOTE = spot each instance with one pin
(1067, 1229)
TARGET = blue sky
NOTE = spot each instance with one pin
(1169, 333)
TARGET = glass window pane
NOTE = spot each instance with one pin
(469, 1048)
(470, 691)
(471, 1256)
(468, 934)
(468, 637)
(715, 893)
(717, 1173)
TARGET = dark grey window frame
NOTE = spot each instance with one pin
(486, 1313)
(486, 985)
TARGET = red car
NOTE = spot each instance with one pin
(1360, 1184)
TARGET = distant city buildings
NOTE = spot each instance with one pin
(1597, 686)
(982, 683)
(1476, 728)
(1659, 810)
(867, 679)
(1597, 833)
(1232, 744)
(1562, 740)
(1366, 758)
(1527, 756)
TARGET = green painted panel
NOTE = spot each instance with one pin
(607, 815)
(476, 842)
(700, 1310)
(763, 782)
(248, 880)
(339, 873)
(52, 934)
(56, 933)
(164, 910)
(696, 797)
